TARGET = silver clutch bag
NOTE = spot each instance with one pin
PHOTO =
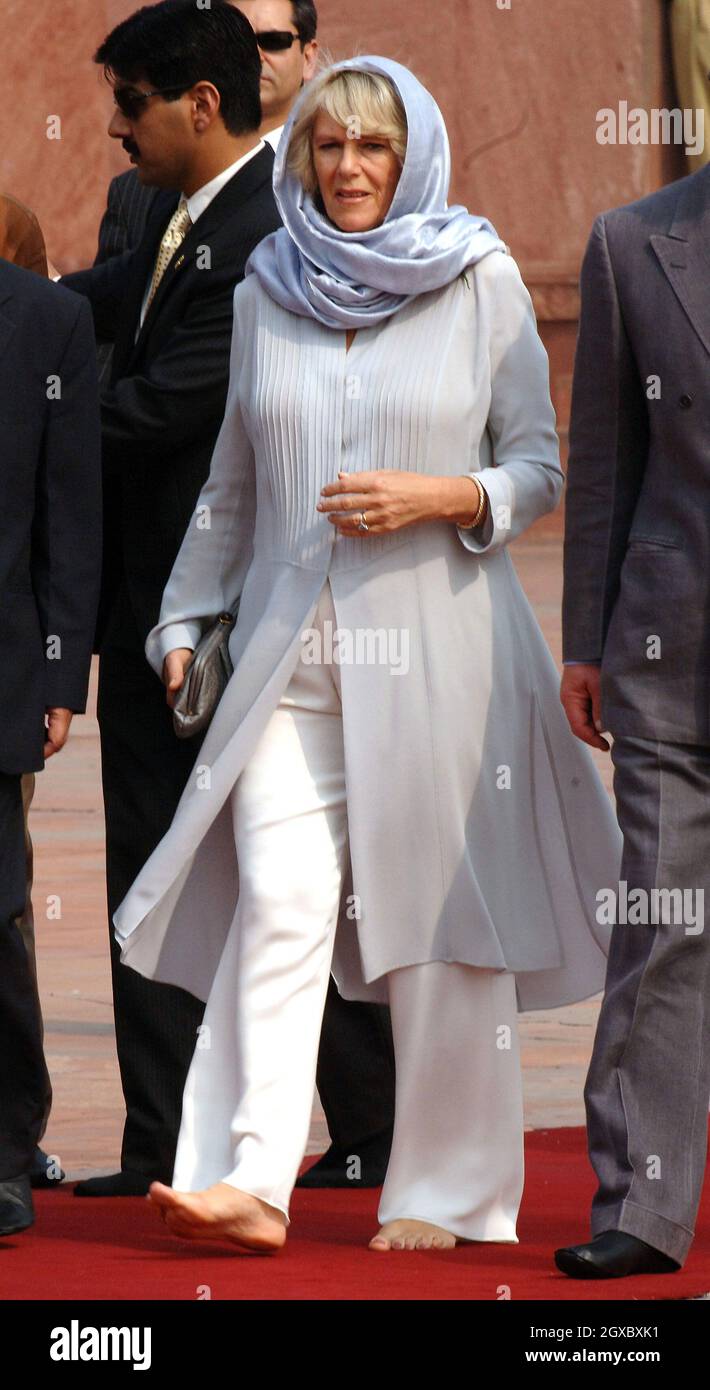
(205, 679)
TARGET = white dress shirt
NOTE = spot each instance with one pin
(273, 137)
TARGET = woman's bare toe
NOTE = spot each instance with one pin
(412, 1235)
(220, 1212)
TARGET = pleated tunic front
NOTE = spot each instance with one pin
(479, 829)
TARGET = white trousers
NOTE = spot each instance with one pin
(457, 1155)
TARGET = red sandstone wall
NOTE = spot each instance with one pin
(520, 89)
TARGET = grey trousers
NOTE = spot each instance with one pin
(648, 1084)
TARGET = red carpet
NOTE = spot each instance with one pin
(84, 1249)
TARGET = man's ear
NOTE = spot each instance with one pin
(206, 104)
(310, 54)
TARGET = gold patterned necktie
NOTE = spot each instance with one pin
(175, 233)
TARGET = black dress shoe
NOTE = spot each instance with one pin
(45, 1171)
(613, 1255)
(333, 1167)
(123, 1184)
(16, 1209)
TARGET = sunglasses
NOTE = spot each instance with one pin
(130, 101)
(276, 40)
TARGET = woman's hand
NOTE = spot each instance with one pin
(392, 498)
(174, 668)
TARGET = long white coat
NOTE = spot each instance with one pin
(479, 830)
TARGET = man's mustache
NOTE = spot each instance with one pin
(130, 147)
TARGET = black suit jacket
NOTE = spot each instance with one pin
(50, 521)
(162, 412)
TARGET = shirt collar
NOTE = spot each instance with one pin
(198, 202)
(273, 137)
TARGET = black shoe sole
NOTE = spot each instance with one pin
(91, 1187)
(575, 1267)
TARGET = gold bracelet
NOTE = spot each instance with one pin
(482, 500)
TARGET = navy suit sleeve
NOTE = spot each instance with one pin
(105, 287)
(66, 540)
(608, 446)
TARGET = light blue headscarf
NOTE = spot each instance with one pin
(353, 280)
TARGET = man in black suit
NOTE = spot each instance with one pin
(50, 527)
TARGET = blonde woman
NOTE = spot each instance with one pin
(388, 431)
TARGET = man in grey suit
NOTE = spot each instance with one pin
(636, 627)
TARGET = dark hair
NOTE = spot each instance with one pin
(305, 19)
(176, 44)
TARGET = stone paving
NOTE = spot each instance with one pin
(67, 826)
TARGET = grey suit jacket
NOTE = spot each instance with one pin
(637, 546)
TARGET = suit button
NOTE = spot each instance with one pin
(685, 401)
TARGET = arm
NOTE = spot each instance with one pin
(66, 537)
(608, 444)
(178, 396)
(526, 479)
(105, 288)
(212, 562)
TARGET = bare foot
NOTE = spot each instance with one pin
(412, 1235)
(220, 1213)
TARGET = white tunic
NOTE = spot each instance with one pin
(479, 830)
